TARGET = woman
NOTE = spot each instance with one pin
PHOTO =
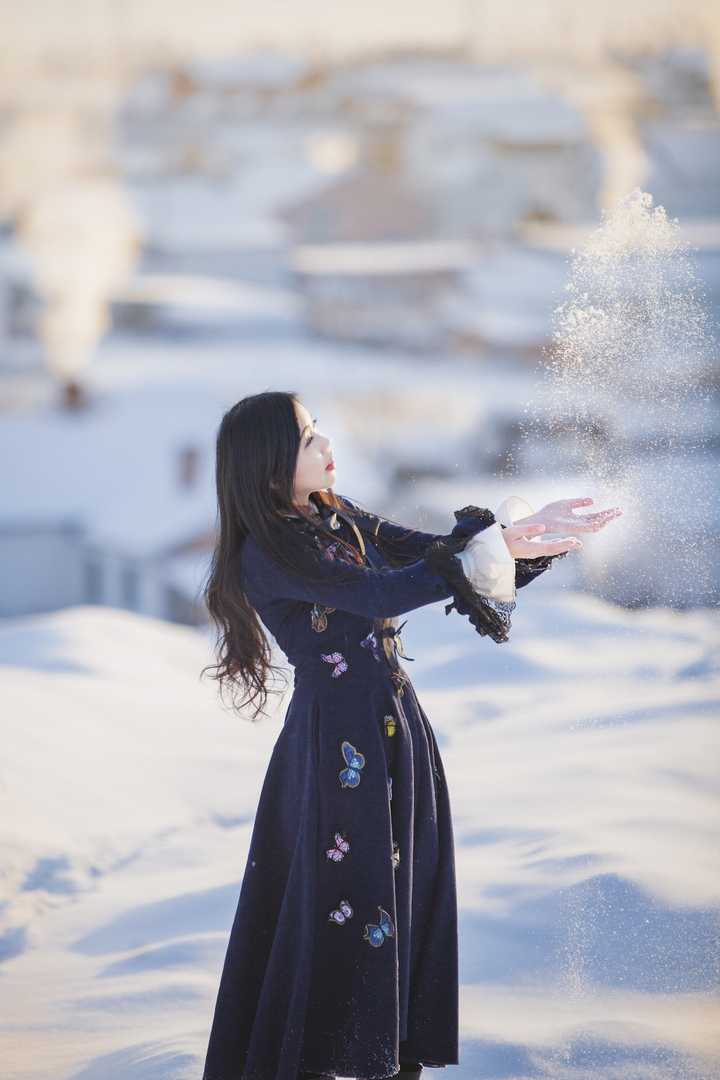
(342, 958)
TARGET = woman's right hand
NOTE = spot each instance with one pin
(521, 546)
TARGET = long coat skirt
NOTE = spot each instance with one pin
(343, 953)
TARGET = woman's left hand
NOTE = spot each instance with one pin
(558, 517)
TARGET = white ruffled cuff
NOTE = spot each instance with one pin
(488, 564)
(511, 509)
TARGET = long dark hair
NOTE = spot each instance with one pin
(256, 453)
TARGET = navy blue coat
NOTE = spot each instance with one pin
(343, 954)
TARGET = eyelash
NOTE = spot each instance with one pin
(312, 436)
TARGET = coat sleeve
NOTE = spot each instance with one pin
(359, 590)
(365, 591)
(408, 545)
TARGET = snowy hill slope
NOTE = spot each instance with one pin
(582, 761)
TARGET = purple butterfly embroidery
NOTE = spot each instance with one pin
(340, 850)
(339, 660)
(341, 913)
(339, 552)
(371, 642)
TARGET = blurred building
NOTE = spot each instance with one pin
(680, 132)
(49, 563)
(488, 146)
(379, 293)
(111, 506)
(19, 308)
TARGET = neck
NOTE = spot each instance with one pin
(308, 507)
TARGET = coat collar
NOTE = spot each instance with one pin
(325, 512)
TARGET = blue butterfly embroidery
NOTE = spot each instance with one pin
(375, 933)
(350, 777)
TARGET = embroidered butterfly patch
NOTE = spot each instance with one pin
(375, 933)
(338, 552)
(371, 642)
(341, 913)
(338, 660)
(340, 850)
(350, 777)
(318, 617)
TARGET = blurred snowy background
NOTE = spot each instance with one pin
(425, 218)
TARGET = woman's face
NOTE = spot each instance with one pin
(314, 456)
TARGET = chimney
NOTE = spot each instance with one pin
(188, 460)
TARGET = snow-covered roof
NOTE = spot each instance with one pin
(264, 69)
(701, 233)
(496, 102)
(114, 467)
(195, 213)
(190, 294)
(363, 204)
(378, 258)
(507, 297)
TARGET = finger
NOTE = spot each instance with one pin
(554, 547)
(578, 502)
(585, 524)
(594, 522)
(613, 512)
(561, 548)
(599, 517)
(517, 532)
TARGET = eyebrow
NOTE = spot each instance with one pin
(307, 426)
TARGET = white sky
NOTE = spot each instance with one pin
(229, 25)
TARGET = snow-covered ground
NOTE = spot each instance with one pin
(582, 760)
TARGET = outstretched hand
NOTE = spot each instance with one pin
(521, 545)
(556, 516)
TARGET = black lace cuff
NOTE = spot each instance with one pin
(526, 570)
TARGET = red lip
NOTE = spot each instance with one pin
(330, 466)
